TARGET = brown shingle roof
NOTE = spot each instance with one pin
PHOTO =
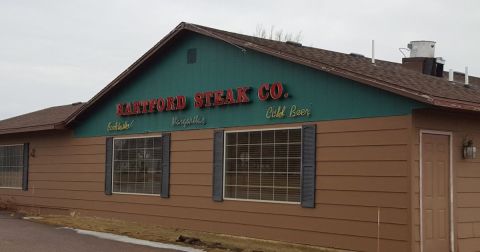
(385, 75)
(387, 72)
(45, 119)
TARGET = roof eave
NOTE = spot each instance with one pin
(455, 104)
(27, 129)
(51, 126)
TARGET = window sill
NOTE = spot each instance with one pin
(15, 188)
(136, 194)
(263, 201)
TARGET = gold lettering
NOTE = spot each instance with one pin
(119, 126)
(299, 112)
(275, 112)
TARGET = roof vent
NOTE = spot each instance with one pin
(357, 55)
(289, 42)
(467, 84)
(450, 75)
(76, 103)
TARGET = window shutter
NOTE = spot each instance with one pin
(26, 156)
(308, 165)
(165, 192)
(108, 165)
(218, 165)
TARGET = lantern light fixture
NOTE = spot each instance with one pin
(469, 150)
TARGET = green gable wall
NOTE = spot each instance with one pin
(221, 66)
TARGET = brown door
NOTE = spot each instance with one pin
(436, 212)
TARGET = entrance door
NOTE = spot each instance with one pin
(436, 207)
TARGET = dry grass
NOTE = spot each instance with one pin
(211, 242)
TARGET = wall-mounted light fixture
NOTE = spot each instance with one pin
(32, 152)
(469, 151)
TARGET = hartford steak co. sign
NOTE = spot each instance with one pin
(240, 95)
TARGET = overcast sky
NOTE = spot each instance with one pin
(60, 52)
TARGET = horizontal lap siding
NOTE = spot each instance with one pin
(363, 163)
(466, 175)
(361, 166)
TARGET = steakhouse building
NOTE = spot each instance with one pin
(227, 133)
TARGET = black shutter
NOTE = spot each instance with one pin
(218, 165)
(108, 165)
(308, 165)
(26, 156)
(165, 192)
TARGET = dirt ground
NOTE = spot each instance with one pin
(207, 241)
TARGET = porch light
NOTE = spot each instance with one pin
(469, 151)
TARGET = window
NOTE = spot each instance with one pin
(263, 165)
(137, 165)
(11, 166)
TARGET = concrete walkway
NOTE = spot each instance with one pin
(18, 235)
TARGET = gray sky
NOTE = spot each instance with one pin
(60, 52)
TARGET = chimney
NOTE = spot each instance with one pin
(422, 58)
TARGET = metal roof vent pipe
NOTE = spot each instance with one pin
(450, 75)
(466, 77)
(373, 51)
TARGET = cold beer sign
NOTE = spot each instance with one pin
(202, 100)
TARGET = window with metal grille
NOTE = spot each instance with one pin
(11, 166)
(263, 165)
(137, 165)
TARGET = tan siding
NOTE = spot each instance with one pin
(363, 183)
(191, 156)
(372, 199)
(362, 153)
(69, 159)
(72, 168)
(72, 150)
(192, 168)
(468, 244)
(361, 166)
(466, 174)
(64, 185)
(192, 145)
(69, 176)
(363, 138)
(345, 212)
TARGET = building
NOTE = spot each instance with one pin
(221, 132)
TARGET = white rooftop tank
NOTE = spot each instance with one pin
(422, 48)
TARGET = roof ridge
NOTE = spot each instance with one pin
(313, 48)
(284, 43)
(397, 64)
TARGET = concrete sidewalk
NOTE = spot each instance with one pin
(18, 235)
